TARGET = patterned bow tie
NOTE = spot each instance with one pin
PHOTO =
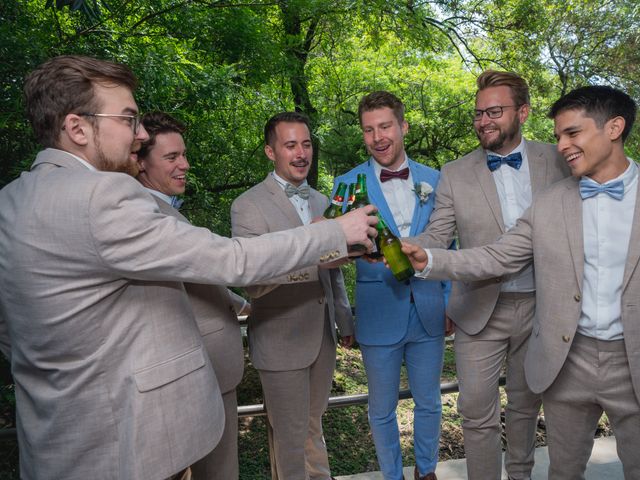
(176, 202)
(302, 191)
(514, 160)
(589, 188)
(386, 175)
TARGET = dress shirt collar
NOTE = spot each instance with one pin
(378, 168)
(165, 198)
(518, 149)
(627, 177)
(280, 181)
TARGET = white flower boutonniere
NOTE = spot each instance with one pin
(422, 190)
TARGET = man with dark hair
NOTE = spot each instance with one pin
(398, 322)
(163, 164)
(292, 328)
(111, 377)
(480, 196)
(583, 238)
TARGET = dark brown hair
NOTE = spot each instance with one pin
(64, 85)
(381, 99)
(156, 123)
(289, 117)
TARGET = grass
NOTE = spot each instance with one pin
(346, 430)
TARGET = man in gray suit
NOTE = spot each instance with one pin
(111, 377)
(292, 338)
(583, 236)
(163, 165)
(479, 197)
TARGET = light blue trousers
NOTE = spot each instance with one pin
(422, 355)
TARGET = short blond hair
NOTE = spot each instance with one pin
(517, 84)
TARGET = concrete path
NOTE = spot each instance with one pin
(604, 464)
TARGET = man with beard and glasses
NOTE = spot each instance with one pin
(112, 380)
(292, 328)
(480, 196)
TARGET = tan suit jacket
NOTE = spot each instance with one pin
(550, 233)
(112, 380)
(288, 314)
(467, 203)
(217, 321)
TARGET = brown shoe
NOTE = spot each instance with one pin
(428, 476)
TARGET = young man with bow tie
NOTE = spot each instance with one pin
(582, 236)
(480, 196)
(395, 321)
(292, 334)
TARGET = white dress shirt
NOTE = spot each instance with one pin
(399, 196)
(300, 204)
(514, 194)
(606, 226)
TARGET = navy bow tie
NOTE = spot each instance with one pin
(386, 175)
(589, 188)
(302, 191)
(513, 160)
(176, 202)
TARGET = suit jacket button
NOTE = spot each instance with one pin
(566, 338)
(321, 300)
(577, 297)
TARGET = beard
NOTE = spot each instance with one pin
(108, 164)
(506, 135)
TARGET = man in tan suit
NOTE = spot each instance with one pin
(163, 164)
(479, 197)
(111, 377)
(292, 338)
(583, 236)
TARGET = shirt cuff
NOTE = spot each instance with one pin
(427, 270)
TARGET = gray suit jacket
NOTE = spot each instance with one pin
(467, 203)
(217, 321)
(550, 234)
(288, 313)
(112, 380)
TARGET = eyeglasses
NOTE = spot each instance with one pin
(134, 120)
(492, 112)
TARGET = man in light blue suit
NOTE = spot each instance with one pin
(398, 321)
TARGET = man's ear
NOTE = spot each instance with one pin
(614, 128)
(523, 113)
(76, 128)
(268, 151)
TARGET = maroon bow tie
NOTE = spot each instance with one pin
(386, 175)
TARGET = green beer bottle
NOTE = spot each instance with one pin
(334, 209)
(361, 200)
(391, 249)
(352, 196)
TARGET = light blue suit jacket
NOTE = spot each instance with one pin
(383, 303)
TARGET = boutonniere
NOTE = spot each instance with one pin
(422, 190)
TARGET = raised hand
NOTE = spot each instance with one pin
(359, 226)
(417, 256)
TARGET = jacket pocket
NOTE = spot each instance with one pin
(156, 376)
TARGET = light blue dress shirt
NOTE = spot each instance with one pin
(606, 225)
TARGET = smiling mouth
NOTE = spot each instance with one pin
(300, 164)
(571, 158)
(181, 178)
(381, 149)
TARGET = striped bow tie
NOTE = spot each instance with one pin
(514, 160)
(302, 191)
(589, 188)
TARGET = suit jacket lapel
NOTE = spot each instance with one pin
(281, 200)
(488, 186)
(420, 211)
(537, 167)
(633, 255)
(572, 211)
(376, 197)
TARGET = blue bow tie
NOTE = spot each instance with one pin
(176, 202)
(514, 160)
(589, 188)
